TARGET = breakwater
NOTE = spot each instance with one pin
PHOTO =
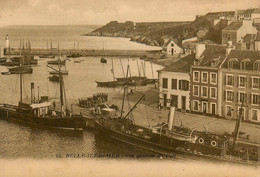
(83, 52)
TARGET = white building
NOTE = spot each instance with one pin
(171, 47)
(174, 84)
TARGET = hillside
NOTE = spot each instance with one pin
(156, 33)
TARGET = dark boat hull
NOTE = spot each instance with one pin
(69, 123)
(56, 62)
(169, 146)
(23, 70)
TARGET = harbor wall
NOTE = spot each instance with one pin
(83, 52)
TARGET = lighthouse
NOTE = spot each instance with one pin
(7, 41)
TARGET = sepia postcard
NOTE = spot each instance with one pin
(129, 88)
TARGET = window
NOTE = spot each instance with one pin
(195, 90)
(255, 99)
(196, 76)
(213, 92)
(255, 82)
(195, 105)
(231, 62)
(255, 115)
(165, 83)
(172, 44)
(213, 78)
(228, 111)
(241, 97)
(183, 85)
(243, 65)
(204, 91)
(229, 95)
(257, 66)
(242, 81)
(174, 84)
(204, 77)
(230, 80)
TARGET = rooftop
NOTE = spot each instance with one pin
(182, 65)
(233, 26)
(249, 38)
(174, 40)
(213, 52)
(244, 54)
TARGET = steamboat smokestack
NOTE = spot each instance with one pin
(171, 118)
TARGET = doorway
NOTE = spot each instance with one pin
(213, 108)
(204, 107)
(183, 102)
(165, 100)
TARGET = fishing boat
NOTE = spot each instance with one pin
(5, 73)
(21, 69)
(165, 138)
(57, 62)
(63, 72)
(47, 56)
(54, 78)
(103, 60)
(42, 112)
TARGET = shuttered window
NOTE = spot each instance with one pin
(174, 84)
(165, 83)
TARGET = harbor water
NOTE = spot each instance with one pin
(20, 141)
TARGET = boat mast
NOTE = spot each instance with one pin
(236, 131)
(122, 68)
(20, 73)
(113, 69)
(125, 89)
(61, 83)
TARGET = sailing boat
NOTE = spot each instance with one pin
(103, 60)
(22, 69)
(42, 112)
(165, 139)
(50, 55)
(57, 62)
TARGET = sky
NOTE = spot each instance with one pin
(99, 12)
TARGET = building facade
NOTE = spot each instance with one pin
(205, 87)
(174, 84)
(241, 85)
(171, 48)
(237, 30)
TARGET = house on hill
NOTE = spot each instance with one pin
(248, 14)
(235, 31)
(174, 84)
(172, 47)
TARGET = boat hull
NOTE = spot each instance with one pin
(164, 145)
(75, 123)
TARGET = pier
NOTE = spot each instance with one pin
(84, 52)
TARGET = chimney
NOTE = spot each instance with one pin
(200, 48)
(32, 93)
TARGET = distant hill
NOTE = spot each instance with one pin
(156, 33)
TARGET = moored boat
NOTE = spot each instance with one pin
(54, 78)
(103, 60)
(63, 72)
(42, 112)
(57, 62)
(21, 70)
(166, 138)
